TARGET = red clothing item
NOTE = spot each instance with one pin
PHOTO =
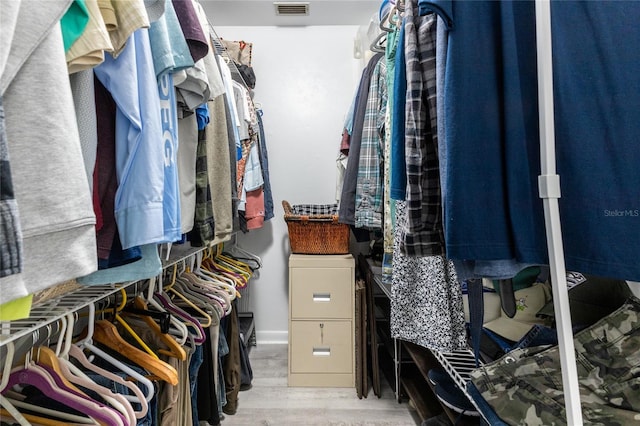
(254, 209)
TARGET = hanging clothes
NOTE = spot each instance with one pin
(191, 28)
(50, 184)
(122, 19)
(346, 211)
(88, 50)
(11, 235)
(217, 141)
(170, 55)
(426, 299)
(423, 234)
(264, 162)
(139, 158)
(505, 222)
(388, 215)
(73, 23)
(204, 224)
(369, 192)
(426, 302)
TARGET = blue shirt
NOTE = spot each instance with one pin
(492, 209)
(170, 53)
(132, 82)
(398, 180)
(597, 107)
(168, 45)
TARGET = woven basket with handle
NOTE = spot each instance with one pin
(315, 233)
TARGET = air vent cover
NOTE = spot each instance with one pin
(291, 8)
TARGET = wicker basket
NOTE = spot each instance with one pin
(315, 233)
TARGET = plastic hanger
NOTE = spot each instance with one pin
(179, 331)
(46, 357)
(29, 419)
(171, 289)
(42, 380)
(211, 269)
(199, 336)
(217, 298)
(51, 384)
(218, 278)
(207, 318)
(388, 18)
(73, 375)
(204, 297)
(232, 263)
(8, 408)
(166, 301)
(377, 45)
(8, 364)
(54, 417)
(246, 256)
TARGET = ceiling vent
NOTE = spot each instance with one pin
(292, 8)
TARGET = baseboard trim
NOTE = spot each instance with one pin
(272, 337)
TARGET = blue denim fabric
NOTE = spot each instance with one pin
(116, 387)
(487, 412)
(151, 418)
(476, 314)
(264, 161)
(539, 335)
(223, 350)
(194, 366)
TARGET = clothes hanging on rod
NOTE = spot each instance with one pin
(126, 340)
(414, 264)
(49, 181)
(144, 194)
(488, 144)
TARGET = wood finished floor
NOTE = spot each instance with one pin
(271, 402)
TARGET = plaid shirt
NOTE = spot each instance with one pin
(369, 190)
(423, 234)
(204, 224)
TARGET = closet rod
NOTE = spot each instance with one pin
(222, 51)
(549, 188)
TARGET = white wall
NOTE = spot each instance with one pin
(305, 80)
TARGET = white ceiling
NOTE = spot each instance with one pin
(263, 13)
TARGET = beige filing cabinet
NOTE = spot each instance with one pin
(321, 320)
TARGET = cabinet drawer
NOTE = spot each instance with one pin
(321, 347)
(321, 293)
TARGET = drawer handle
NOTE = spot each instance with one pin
(322, 351)
(322, 297)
